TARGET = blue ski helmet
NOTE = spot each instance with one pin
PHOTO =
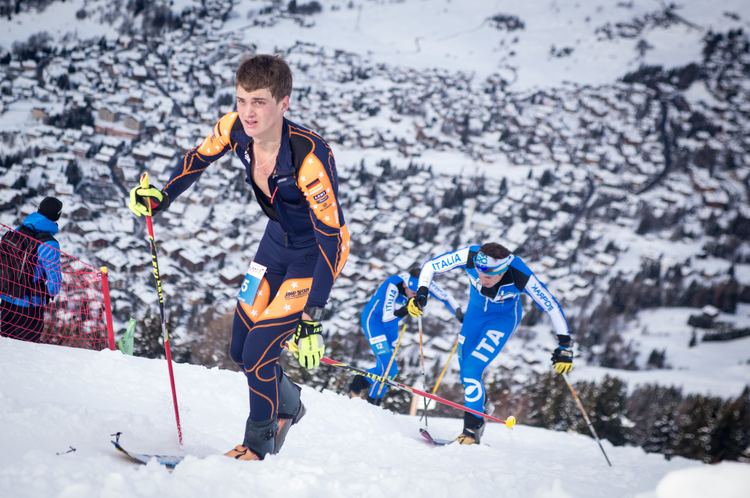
(411, 277)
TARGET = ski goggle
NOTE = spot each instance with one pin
(491, 266)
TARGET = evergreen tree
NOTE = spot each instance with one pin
(547, 403)
(653, 423)
(661, 438)
(656, 359)
(730, 437)
(148, 343)
(73, 173)
(609, 408)
(696, 419)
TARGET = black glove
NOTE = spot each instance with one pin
(402, 311)
(460, 315)
(562, 356)
(421, 297)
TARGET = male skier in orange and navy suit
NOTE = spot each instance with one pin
(305, 245)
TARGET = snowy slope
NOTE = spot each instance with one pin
(53, 398)
(412, 34)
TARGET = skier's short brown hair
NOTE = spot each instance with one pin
(265, 71)
(495, 250)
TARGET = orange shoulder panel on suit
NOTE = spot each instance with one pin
(314, 182)
(219, 137)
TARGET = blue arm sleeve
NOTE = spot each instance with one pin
(48, 255)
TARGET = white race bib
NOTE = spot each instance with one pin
(251, 283)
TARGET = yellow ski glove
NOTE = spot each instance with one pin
(562, 360)
(414, 310)
(308, 346)
(147, 200)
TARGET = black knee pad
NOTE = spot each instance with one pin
(289, 397)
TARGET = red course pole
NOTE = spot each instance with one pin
(164, 329)
(108, 309)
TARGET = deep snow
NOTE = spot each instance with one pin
(53, 398)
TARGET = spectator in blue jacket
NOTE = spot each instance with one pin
(30, 272)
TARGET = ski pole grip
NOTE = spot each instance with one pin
(144, 184)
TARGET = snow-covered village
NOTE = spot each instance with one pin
(606, 145)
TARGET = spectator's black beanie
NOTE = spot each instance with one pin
(50, 207)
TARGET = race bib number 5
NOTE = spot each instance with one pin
(251, 283)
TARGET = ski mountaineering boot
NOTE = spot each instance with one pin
(473, 430)
(258, 442)
(240, 452)
(291, 409)
(267, 436)
(359, 387)
(474, 426)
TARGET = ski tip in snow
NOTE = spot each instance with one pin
(169, 461)
(433, 441)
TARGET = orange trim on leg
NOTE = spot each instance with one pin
(290, 299)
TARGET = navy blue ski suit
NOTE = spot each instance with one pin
(304, 248)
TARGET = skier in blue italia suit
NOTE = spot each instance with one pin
(497, 278)
(380, 322)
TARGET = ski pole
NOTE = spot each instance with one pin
(424, 375)
(393, 356)
(586, 417)
(164, 329)
(508, 422)
(445, 368)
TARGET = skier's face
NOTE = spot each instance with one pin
(489, 280)
(259, 113)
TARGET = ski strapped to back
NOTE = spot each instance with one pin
(508, 422)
